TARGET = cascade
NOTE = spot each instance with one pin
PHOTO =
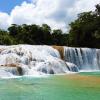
(84, 58)
(17, 60)
(30, 60)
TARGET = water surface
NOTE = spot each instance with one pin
(83, 86)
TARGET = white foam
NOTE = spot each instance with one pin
(33, 60)
(43, 60)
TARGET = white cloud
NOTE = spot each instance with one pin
(56, 13)
(83, 6)
(4, 20)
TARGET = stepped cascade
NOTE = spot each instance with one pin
(17, 60)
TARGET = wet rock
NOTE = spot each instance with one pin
(20, 71)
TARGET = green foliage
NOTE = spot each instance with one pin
(5, 39)
(85, 31)
(32, 34)
(59, 38)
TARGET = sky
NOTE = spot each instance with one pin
(56, 13)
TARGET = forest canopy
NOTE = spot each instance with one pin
(84, 32)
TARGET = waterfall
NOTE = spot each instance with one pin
(30, 60)
(84, 58)
(18, 60)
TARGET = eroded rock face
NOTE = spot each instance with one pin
(61, 51)
(10, 65)
(15, 69)
(20, 70)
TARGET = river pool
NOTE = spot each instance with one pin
(80, 86)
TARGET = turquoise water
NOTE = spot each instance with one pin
(82, 86)
(91, 73)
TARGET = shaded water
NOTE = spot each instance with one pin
(83, 86)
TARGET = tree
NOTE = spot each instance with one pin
(97, 9)
(85, 29)
(59, 38)
(46, 32)
(5, 39)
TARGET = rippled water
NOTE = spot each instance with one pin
(83, 86)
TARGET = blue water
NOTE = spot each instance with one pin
(82, 86)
